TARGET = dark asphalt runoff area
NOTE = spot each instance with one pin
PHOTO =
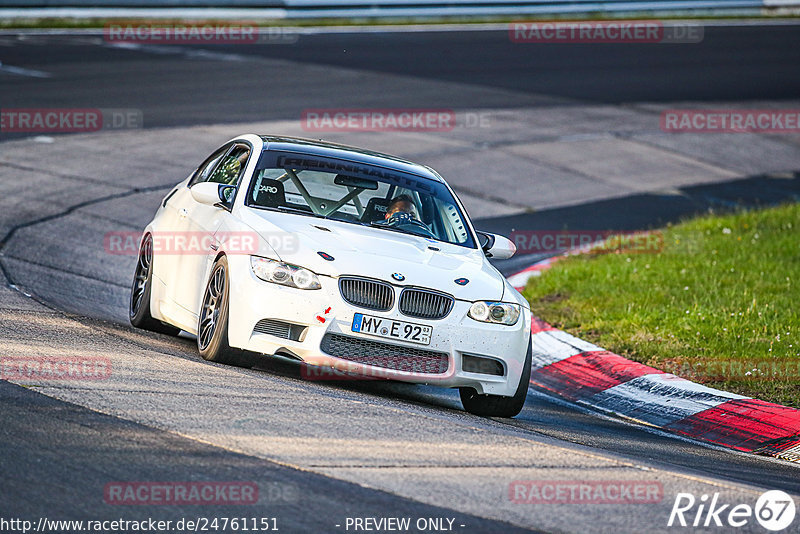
(57, 459)
(175, 88)
(56, 456)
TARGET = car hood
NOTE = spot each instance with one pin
(376, 253)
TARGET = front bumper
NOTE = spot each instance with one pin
(324, 312)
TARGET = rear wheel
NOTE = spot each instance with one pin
(212, 327)
(495, 405)
(139, 307)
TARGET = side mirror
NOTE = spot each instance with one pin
(211, 193)
(496, 246)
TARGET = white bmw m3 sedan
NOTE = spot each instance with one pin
(342, 258)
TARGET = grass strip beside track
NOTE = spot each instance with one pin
(717, 305)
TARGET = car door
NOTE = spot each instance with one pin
(174, 222)
(202, 222)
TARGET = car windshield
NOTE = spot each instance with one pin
(360, 194)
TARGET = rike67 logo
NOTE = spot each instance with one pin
(774, 510)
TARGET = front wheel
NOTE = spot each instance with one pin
(212, 327)
(139, 306)
(495, 405)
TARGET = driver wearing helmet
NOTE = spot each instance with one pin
(402, 214)
(402, 205)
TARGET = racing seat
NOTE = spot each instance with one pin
(375, 210)
(270, 194)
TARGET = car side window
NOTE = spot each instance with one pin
(207, 167)
(231, 167)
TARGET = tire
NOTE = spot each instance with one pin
(212, 323)
(495, 405)
(139, 305)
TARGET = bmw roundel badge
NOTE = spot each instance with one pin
(461, 281)
(399, 277)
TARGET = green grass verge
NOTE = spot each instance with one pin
(720, 304)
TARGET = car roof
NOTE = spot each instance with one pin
(359, 155)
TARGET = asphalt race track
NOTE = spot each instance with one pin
(570, 136)
(481, 69)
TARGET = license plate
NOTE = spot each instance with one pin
(389, 328)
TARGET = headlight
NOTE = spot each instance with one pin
(494, 312)
(285, 274)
